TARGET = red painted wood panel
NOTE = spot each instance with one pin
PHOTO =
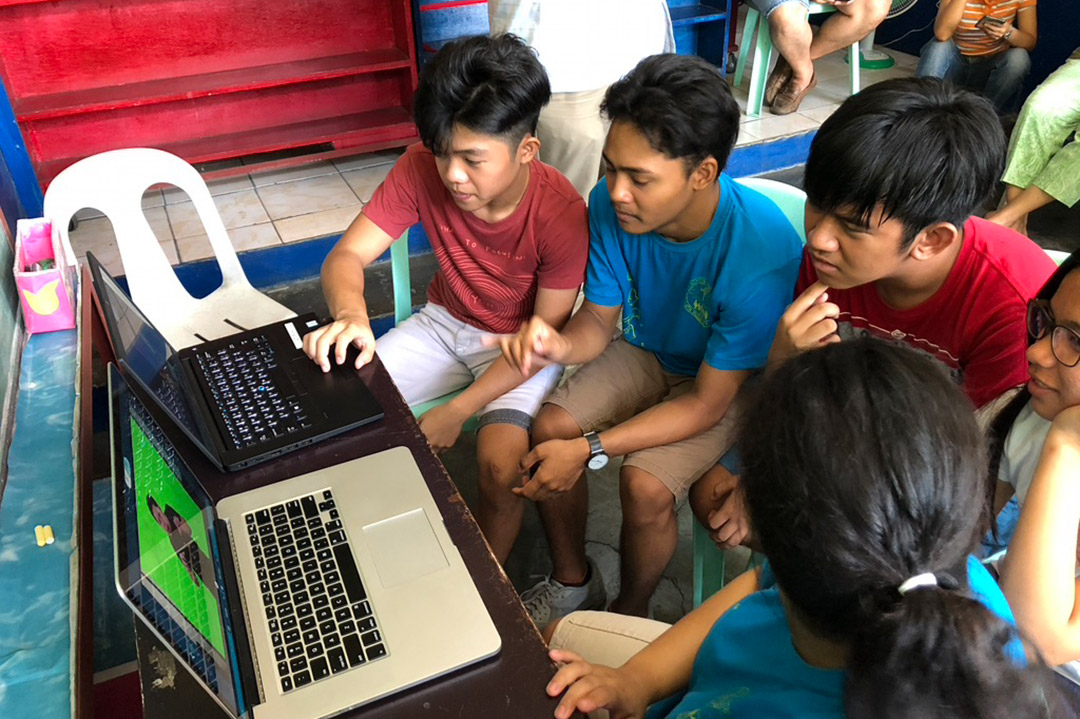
(185, 88)
(76, 44)
(207, 79)
(211, 116)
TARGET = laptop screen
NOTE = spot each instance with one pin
(166, 549)
(146, 354)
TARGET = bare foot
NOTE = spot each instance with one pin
(1006, 219)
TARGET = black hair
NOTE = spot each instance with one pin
(1004, 420)
(491, 85)
(922, 150)
(681, 104)
(863, 466)
(151, 503)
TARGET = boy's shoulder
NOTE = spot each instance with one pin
(553, 187)
(1003, 258)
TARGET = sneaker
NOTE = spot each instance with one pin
(551, 599)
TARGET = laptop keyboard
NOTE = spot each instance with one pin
(320, 618)
(253, 407)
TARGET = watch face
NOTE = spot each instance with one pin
(598, 461)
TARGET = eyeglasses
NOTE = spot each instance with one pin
(1064, 341)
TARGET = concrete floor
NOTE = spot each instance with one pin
(1054, 227)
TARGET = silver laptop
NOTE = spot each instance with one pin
(300, 599)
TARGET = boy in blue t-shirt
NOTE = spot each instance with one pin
(700, 269)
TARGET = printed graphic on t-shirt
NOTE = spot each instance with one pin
(486, 288)
(631, 311)
(696, 304)
(851, 326)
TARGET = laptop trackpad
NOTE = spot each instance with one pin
(404, 548)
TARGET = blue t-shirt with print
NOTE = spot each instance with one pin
(715, 299)
(748, 667)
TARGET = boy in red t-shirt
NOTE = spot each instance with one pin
(510, 235)
(892, 250)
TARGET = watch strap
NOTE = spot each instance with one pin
(595, 447)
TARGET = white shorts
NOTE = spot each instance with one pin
(432, 354)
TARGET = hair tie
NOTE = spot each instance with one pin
(919, 580)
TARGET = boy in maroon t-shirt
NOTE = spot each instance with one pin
(510, 235)
(892, 250)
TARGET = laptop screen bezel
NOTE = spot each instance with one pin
(108, 288)
(128, 574)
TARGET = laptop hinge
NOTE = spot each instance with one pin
(233, 595)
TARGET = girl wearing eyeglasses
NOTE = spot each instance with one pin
(1039, 460)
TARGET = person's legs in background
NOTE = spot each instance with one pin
(941, 59)
(1008, 71)
(1041, 166)
(851, 22)
(572, 132)
(791, 35)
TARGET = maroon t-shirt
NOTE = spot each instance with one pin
(488, 272)
(974, 324)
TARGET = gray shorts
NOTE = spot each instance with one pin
(766, 7)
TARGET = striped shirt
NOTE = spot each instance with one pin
(971, 40)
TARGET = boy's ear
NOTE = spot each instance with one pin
(934, 240)
(528, 149)
(705, 174)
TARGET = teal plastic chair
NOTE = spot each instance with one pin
(710, 562)
(1057, 256)
(763, 52)
(402, 283)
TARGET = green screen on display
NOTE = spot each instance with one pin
(174, 545)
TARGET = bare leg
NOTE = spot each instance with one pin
(564, 516)
(792, 36)
(649, 535)
(499, 449)
(1019, 204)
(852, 22)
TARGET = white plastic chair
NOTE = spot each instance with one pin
(113, 183)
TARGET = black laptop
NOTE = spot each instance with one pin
(242, 399)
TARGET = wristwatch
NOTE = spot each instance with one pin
(598, 459)
(1007, 35)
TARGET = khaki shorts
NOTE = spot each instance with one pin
(625, 381)
(605, 637)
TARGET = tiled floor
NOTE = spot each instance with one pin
(321, 199)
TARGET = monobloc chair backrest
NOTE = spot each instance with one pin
(114, 183)
(790, 199)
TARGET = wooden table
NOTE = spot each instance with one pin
(511, 684)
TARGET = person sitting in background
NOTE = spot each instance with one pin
(510, 237)
(867, 502)
(584, 47)
(1044, 159)
(1038, 462)
(892, 250)
(798, 45)
(982, 45)
(699, 267)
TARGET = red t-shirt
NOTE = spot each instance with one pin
(974, 324)
(488, 272)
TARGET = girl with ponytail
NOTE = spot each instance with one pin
(864, 474)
